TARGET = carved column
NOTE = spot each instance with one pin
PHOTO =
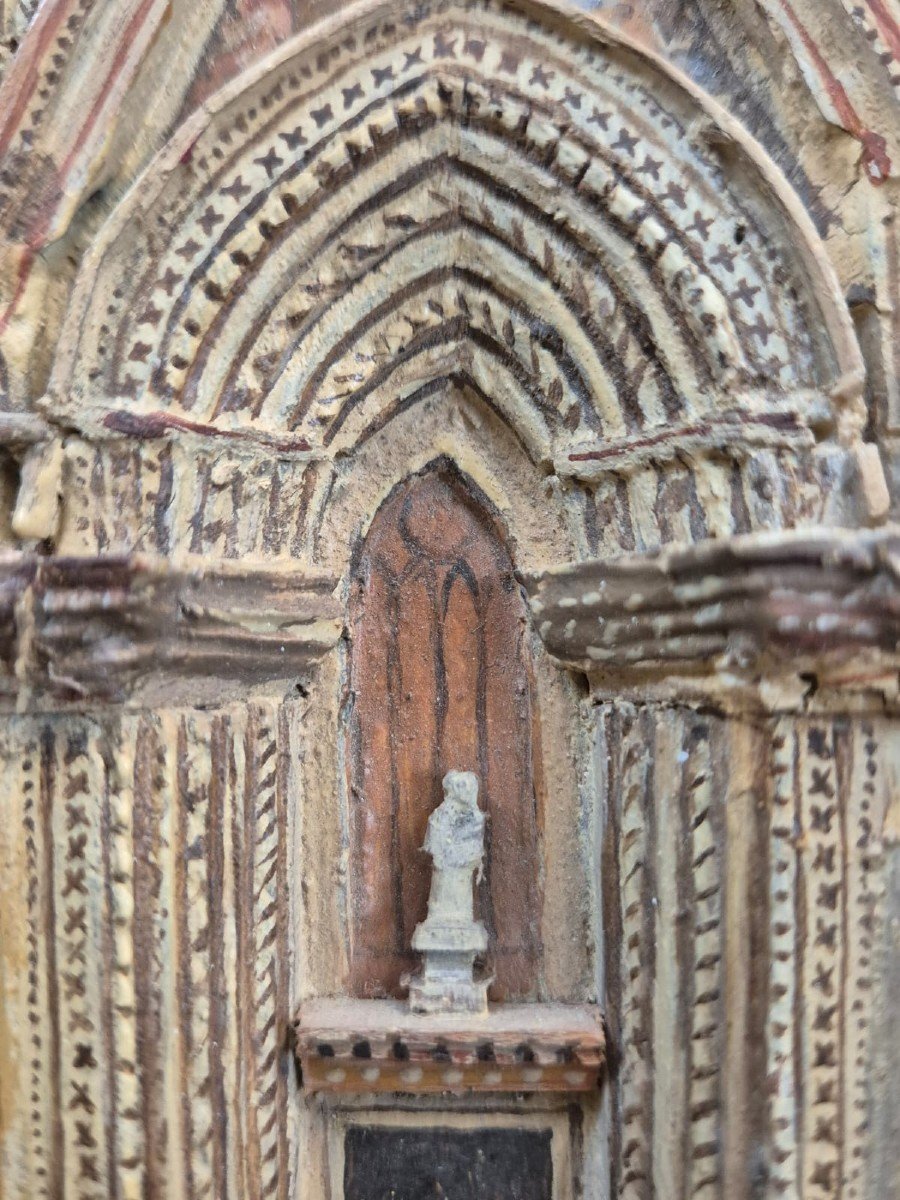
(147, 831)
(742, 698)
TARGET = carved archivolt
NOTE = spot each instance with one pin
(498, 198)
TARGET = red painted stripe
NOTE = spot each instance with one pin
(25, 71)
(36, 234)
(887, 26)
(126, 41)
(874, 145)
(24, 270)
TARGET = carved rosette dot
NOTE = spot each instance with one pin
(450, 938)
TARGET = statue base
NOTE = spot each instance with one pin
(448, 995)
(447, 982)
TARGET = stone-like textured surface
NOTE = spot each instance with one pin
(825, 603)
(449, 939)
(138, 631)
(155, 990)
(643, 296)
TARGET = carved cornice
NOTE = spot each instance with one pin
(137, 630)
(370, 1046)
(827, 602)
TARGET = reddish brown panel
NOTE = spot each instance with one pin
(441, 679)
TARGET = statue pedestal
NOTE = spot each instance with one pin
(446, 983)
(353, 1047)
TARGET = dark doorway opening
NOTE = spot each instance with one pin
(425, 1164)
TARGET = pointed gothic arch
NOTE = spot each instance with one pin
(441, 679)
(509, 196)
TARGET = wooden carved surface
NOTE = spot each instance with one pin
(138, 631)
(348, 1046)
(155, 982)
(829, 601)
(741, 900)
(306, 265)
(661, 357)
(300, 279)
(441, 680)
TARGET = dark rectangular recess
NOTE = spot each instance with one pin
(383, 1163)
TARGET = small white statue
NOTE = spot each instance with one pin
(450, 937)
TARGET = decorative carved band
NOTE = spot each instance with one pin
(380, 1046)
(738, 434)
(132, 629)
(136, 629)
(806, 600)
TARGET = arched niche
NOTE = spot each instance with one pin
(479, 467)
(441, 678)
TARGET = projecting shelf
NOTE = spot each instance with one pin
(365, 1046)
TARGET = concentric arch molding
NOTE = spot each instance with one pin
(510, 198)
(820, 602)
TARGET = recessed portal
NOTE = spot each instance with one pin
(441, 679)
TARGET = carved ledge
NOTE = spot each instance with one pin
(137, 630)
(802, 601)
(739, 432)
(368, 1046)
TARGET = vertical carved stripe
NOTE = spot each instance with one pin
(881, 923)
(263, 860)
(200, 528)
(636, 850)
(610, 934)
(863, 873)
(673, 982)
(240, 819)
(147, 472)
(641, 490)
(821, 977)
(174, 952)
(162, 502)
(741, 755)
(147, 926)
(23, 770)
(246, 1166)
(49, 776)
(705, 883)
(193, 805)
(81, 917)
(780, 1025)
(226, 1141)
(287, 988)
(128, 1130)
(77, 535)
